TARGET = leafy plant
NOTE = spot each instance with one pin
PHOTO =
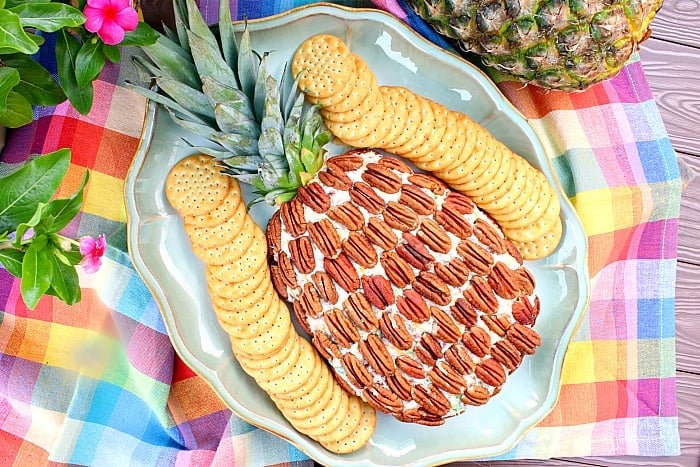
(80, 56)
(31, 245)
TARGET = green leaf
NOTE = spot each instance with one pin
(36, 83)
(49, 17)
(64, 281)
(88, 63)
(229, 45)
(64, 210)
(209, 61)
(190, 98)
(9, 78)
(112, 53)
(67, 49)
(34, 183)
(12, 34)
(172, 61)
(11, 260)
(37, 269)
(18, 111)
(22, 228)
(144, 34)
(248, 63)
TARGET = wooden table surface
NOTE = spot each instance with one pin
(671, 60)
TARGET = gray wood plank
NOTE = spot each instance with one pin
(689, 231)
(678, 21)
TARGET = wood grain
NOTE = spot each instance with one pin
(673, 71)
(689, 231)
(677, 22)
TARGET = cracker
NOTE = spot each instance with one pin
(221, 213)
(434, 129)
(271, 340)
(238, 289)
(533, 226)
(495, 179)
(195, 185)
(513, 199)
(227, 267)
(467, 158)
(309, 403)
(385, 130)
(297, 374)
(532, 209)
(241, 316)
(242, 303)
(351, 94)
(422, 133)
(206, 240)
(349, 423)
(328, 418)
(254, 327)
(543, 245)
(312, 387)
(359, 128)
(284, 362)
(359, 436)
(323, 64)
(356, 112)
(480, 174)
(402, 98)
(447, 146)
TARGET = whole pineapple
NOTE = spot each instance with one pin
(412, 294)
(560, 44)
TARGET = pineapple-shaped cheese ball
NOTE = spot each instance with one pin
(562, 44)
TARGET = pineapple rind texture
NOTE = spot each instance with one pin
(554, 44)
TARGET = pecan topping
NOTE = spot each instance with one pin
(503, 281)
(382, 399)
(477, 340)
(325, 286)
(410, 366)
(476, 395)
(527, 282)
(400, 217)
(481, 295)
(489, 237)
(505, 353)
(278, 281)
(453, 221)
(300, 314)
(346, 162)
(454, 273)
(428, 349)
(314, 196)
(286, 268)
(433, 288)
(412, 305)
(429, 182)
(342, 272)
(394, 164)
(356, 371)
(499, 323)
(458, 357)
(382, 178)
(309, 301)
(459, 202)
(273, 234)
(347, 214)
(364, 196)
(360, 249)
(399, 385)
(394, 329)
(524, 311)
(302, 253)
(464, 312)
(326, 347)
(414, 252)
(446, 378)
(525, 339)
(434, 236)
(380, 234)
(396, 269)
(325, 236)
(336, 180)
(432, 401)
(360, 312)
(378, 291)
(417, 199)
(490, 372)
(340, 327)
(446, 329)
(292, 214)
(377, 355)
(477, 258)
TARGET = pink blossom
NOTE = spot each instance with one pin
(92, 250)
(110, 19)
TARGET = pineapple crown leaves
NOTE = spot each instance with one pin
(261, 130)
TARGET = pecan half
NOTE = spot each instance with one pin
(273, 234)
(380, 234)
(527, 281)
(523, 338)
(346, 162)
(454, 273)
(433, 288)
(412, 305)
(428, 349)
(342, 272)
(410, 366)
(505, 353)
(399, 385)
(504, 281)
(325, 236)
(302, 254)
(289, 276)
(434, 236)
(314, 196)
(309, 301)
(340, 328)
(477, 340)
(348, 215)
(356, 372)
(364, 196)
(429, 182)
(325, 286)
(394, 329)
(334, 180)
(359, 249)
(446, 329)
(417, 199)
(400, 217)
(360, 312)
(381, 178)
(396, 269)
(458, 357)
(325, 346)
(378, 291)
(278, 281)
(382, 399)
(292, 214)
(490, 372)
(377, 355)
(414, 252)
(394, 164)
(459, 202)
(481, 295)
(476, 257)
(498, 323)
(453, 221)
(524, 311)
(464, 312)
(475, 395)
(489, 236)
(445, 377)
(431, 400)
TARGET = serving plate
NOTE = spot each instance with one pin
(162, 255)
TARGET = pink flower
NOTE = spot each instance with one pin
(110, 19)
(92, 250)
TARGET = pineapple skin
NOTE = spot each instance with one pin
(554, 44)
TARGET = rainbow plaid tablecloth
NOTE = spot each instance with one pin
(100, 384)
